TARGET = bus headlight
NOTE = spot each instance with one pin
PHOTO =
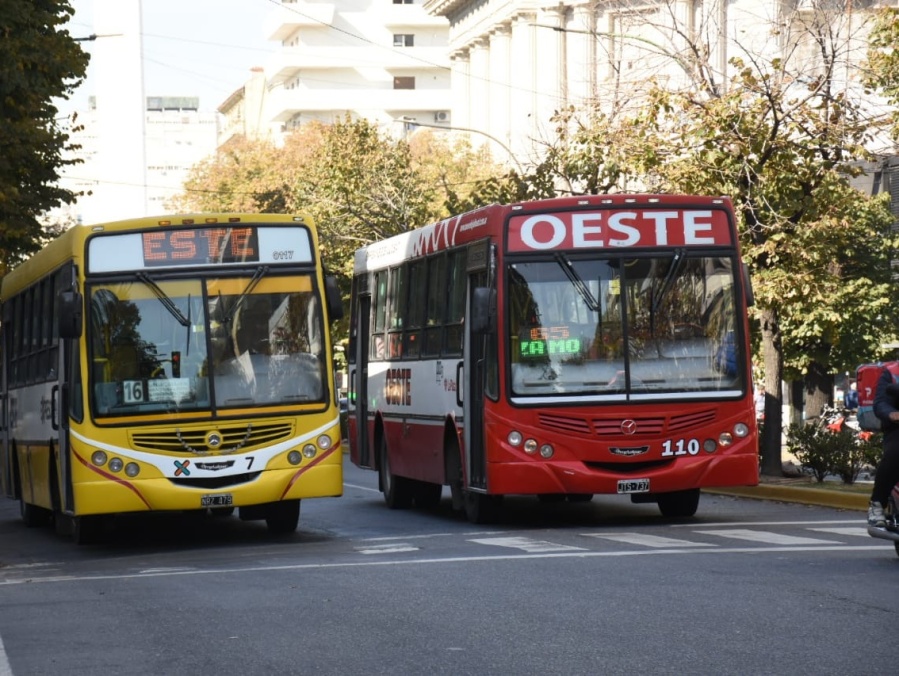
(514, 438)
(324, 442)
(725, 439)
(294, 458)
(546, 451)
(309, 451)
(132, 469)
(530, 446)
(98, 458)
(116, 465)
(741, 430)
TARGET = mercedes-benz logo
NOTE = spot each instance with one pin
(628, 426)
(213, 440)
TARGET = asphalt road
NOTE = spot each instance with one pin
(607, 587)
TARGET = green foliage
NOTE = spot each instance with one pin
(825, 452)
(882, 73)
(39, 62)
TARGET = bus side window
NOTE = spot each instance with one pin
(458, 280)
(436, 306)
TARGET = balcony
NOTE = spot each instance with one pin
(284, 104)
(289, 62)
(413, 16)
(286, 19)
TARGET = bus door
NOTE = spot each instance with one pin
(474, 369)
(358, 394)
(7, 480)
(65, 398)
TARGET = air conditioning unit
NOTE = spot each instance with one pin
(442, 116)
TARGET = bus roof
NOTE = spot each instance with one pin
(468, 226)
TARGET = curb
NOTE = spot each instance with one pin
(819, 497)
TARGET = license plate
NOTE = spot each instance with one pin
(633, 486)
(218, 500)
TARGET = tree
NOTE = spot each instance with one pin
(39, 62)
(882, 74)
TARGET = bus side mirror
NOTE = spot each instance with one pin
(483, 310)
(70, 314)
(332, 297)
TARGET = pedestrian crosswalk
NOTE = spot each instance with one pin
(811, 535)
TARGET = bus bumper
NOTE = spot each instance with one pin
(540, 477)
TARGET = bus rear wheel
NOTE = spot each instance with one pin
(398, 491)
(282, 517)
(679, 503)
(34, 516)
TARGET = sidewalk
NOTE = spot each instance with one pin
(802, 490)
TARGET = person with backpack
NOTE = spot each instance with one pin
(886, 408)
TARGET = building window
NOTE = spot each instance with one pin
(403, 2)
(403, 40)
(404, 83)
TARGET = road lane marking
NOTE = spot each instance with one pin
(763, 536)
(701, 551)
(5, 668)
(526, 544)
(645, 540)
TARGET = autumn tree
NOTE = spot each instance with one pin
(40, 63)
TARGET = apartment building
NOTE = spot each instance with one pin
(384, 60)
(175, 135)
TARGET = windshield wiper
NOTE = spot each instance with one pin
(167, 302)
(673, 269)
(259, 274)
(576, 281)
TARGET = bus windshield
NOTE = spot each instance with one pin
(204, 343)
(624, 327)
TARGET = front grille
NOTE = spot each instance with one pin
(629, 467)
(216, 482)
(244, 437)
(611, 426)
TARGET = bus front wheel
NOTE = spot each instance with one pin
(481, 508)
(282, 517)
(679, 503)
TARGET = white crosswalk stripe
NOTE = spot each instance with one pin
(848, 530)
(391, 548)
(527, 544)
(764, 536)
(646, 540)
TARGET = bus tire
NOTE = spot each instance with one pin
(679, 503)
(34, 516)
(398, 491)
(427, 495)
(87, 530)
(580, 497)
(282, 517)
(551, 498)
(481, 508)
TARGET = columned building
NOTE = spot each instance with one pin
(516, 62)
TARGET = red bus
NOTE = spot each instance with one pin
(560, 348)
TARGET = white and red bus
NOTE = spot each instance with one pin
(559, 348)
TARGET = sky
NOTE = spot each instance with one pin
(202, 48)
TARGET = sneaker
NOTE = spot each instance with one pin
(875, 515)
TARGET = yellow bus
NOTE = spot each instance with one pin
(168, 364)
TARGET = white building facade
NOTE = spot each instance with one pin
(383, 60)
(516, 62)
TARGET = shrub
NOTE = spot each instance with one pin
(824, 451)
